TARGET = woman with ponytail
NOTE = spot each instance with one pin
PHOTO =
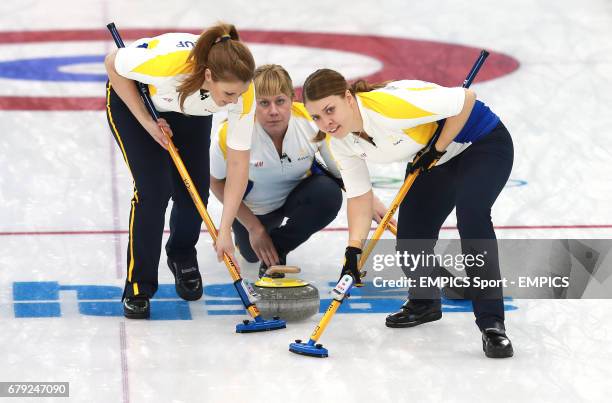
(394, 122)
(190, 77)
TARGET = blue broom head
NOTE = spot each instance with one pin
(260, 325)
(309, 349)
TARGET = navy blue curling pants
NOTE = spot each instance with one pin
(469, 182)
(310, 207)
(156, 179)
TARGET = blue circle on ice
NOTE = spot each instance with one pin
(50, 69)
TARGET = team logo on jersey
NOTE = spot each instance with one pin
(257, 164)
(304, 155)
(168, 99)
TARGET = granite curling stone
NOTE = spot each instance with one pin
(291, 299)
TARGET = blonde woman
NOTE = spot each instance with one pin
(283, 183)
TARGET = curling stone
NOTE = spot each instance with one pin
(290, 299)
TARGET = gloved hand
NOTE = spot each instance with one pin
(351, 260)
(425, 158)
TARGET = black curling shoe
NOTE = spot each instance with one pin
(187, 278)
(137, 307)
(415, 313)
(495, 343)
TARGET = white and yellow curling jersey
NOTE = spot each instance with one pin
(400, 118)
(274, 177)
(161, 62)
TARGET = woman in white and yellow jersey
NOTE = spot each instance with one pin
(285, 179)
(393, 122)
(190, 77)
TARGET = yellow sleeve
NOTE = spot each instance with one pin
(151, 66)
(218, 152)
(241, 120)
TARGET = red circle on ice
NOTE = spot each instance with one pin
(442, 63)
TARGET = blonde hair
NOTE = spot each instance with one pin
(273, 79)
(218, 49)
(325, 82)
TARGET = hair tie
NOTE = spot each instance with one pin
(223, 38)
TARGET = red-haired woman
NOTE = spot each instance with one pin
(190, 77)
